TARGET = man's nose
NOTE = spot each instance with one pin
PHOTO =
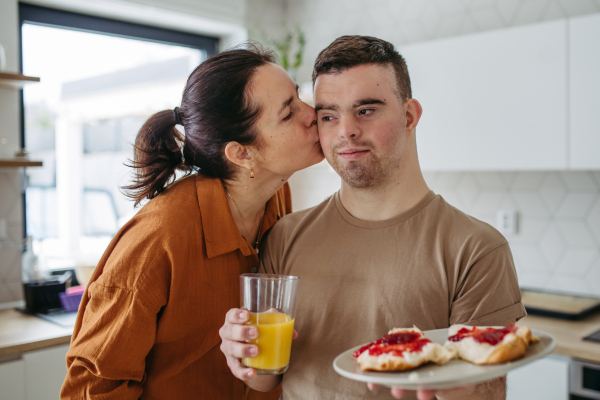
(348, 128)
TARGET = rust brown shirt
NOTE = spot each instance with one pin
(149, 319)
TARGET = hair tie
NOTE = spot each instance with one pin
(177, 116)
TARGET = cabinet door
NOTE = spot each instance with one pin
(492, 101)
(546, 379)
(45, 372)
(12, 380)
(584, 41)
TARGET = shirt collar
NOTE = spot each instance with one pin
(221, 234)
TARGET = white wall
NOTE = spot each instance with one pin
(265, 16)
(10, 180)
(407, 21)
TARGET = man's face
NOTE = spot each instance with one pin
(362, 123)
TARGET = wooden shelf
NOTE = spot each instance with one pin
(18, 163)
(16, 81)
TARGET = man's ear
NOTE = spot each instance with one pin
(238, 154)
(413, 111)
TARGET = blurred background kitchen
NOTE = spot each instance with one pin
(510, 134)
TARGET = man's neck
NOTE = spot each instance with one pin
(393, 197)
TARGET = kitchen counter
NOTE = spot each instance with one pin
(569, 335)
(20, 333)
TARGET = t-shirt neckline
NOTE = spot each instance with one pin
(387, 222)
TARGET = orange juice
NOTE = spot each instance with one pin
(274, 341)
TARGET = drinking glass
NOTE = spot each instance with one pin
(271, 301)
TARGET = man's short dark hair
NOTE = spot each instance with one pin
(347, 52)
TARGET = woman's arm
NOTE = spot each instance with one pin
(112, 339)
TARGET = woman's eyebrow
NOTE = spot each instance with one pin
(288, 101)
(285, 104)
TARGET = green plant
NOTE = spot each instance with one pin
(290, 46)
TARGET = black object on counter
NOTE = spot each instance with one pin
(42, 297)
(558, 305)
(594, 337)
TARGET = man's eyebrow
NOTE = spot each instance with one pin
(358, 103)
(364, 102)
(321, 106)
(288, 101)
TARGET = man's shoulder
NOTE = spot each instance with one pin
(461, 227)
(291, 223)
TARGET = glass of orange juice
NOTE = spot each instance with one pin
(271, 300)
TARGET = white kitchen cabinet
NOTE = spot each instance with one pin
(12, 380)
(584, 78)
(546, 379)
(492, 101)
(45, 372)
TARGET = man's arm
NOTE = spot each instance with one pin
(494, 389)
(489, 296)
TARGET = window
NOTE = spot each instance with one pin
(100, 80)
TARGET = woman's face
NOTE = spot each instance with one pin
(287, 129)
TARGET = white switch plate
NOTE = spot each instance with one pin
(3, 233)
(506, 222)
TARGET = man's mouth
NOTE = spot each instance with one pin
(352, 154)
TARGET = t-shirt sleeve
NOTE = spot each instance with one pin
(489, 294)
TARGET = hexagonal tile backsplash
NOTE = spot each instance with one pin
(557, 245)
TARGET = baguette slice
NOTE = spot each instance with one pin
(484, 345)
(383, 356)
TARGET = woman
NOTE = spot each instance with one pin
(148, 323)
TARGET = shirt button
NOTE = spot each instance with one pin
(253, 269)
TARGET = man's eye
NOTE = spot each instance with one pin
(288, 117)
(366, 111)
(328, 118)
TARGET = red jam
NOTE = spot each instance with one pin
(395, 343)
(491, 336)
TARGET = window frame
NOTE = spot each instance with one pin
(45, 16)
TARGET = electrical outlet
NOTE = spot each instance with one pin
(3, 233)
(506, 221)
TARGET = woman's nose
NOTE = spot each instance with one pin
(310, 116)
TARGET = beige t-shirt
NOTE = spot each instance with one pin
(431, 266)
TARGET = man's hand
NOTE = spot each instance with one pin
(494, 389)
(234, 333)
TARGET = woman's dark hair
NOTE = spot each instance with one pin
(216, 108)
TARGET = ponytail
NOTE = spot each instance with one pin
(157, 157)
(216, 109)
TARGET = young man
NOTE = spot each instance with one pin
(384, 251)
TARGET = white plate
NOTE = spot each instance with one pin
(431, 376)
